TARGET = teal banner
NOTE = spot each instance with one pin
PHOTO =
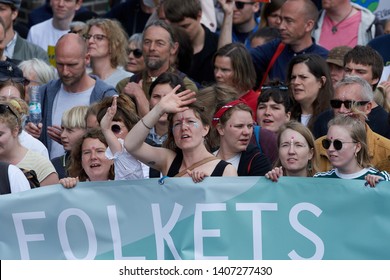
(221, 218)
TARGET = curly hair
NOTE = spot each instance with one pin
(75, 166)
(117, 39)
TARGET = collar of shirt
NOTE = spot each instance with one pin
(9, 49)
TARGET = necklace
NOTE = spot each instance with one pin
(334, 27)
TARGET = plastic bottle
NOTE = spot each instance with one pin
(35, 105)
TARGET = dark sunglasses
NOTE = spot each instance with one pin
(337, 144)
(336, 104)
(136, 52)
(240, 5)
(4, 108)
(116, 128)
(17, 80)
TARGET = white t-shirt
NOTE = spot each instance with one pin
(31, 143)
(44, 34)
(118, 75)
(17, 180)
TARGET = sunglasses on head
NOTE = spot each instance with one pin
(18, 80)
(336, 104)
(136, 52)
(116, 128)
(4, 108)
(240, 5)
(337, 144)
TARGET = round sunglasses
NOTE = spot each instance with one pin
(337, 144)
(136, 52)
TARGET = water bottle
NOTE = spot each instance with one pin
(35, 105)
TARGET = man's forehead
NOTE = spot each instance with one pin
(348, 91)
(357, 66)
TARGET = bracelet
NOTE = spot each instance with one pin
(142, 120)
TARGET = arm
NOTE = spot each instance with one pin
(105, 125)
(155, 157)
(225, 36)
(229, 171)
(137, 94)
(51, 179)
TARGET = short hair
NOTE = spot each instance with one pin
(365, 55)
(136, 38)
(116, 36)
(164, 25)
(357, 130)
(366, 89)
(278, 92)
(177, 10)
(126, 110)
(75, 167)
(306, 133)
(267, 33)
(75, 117)
(44, 72)
(168, 78)
(244, 73)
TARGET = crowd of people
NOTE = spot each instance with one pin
(194, 88)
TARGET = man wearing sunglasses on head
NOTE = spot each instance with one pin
(244, 15)
(353, 93)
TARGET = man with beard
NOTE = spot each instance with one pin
(158, 49)
(74, 88)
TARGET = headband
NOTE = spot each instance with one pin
(223, 109)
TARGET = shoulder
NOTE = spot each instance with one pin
(102, 89)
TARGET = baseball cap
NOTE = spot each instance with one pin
(9, 71)
(336, 55)
(15, 3)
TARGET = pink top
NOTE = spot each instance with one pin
(346, 34)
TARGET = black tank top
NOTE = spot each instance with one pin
(176, 163)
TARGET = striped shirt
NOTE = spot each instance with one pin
(334, 173)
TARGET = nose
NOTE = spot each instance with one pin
(343, 109)
(217, 73)
(291, 149)
(267, 111)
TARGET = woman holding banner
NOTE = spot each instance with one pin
(297, 152)
(346, 146)
(88, 160)
(186, 153)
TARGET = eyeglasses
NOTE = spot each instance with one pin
(240, 5)
(96, 37)
(136, 52)
(336, 104)
(337, 144)
(4, 108)
(116, 129)
(18, 80)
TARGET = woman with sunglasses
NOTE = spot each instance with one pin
(311, 87)
(11, 151)
(346, 146)
(135, 60)
(107, 43)
(88, 160)
(297, 152)
(234, 125)
(117, 116)
(186, 153)
(73, 128)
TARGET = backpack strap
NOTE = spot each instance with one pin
(195, 165)
(5, 186)
(250, 162)
(278, 51)
(256, 131)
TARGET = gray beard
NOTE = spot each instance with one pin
(155, 64)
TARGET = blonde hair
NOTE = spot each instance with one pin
(75, 117)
